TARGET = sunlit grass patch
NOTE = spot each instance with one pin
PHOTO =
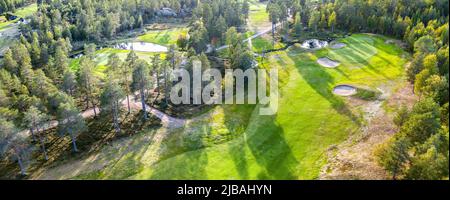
(163, 37)
(102, 58)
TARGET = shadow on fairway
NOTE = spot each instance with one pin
(322, 82)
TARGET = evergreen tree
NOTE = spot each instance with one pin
(71, 122)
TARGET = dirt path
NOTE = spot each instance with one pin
(251, 37)
(166, 120)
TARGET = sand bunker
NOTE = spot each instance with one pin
(326, 62)
(338, 45)
(344, 90)
(142, 46)
(314, 44)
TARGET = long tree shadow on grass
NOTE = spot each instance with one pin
(266, 141)
(357, 58)
(322, 82)
(237, 127)
(175, 165)
(223, 124)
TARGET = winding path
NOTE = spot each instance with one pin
(251, 37)
(166, 120)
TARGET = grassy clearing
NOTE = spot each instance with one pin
(369, 95)
(21, 13)
(163, 37)
(3, 25)
(258, 18)
(10, 29)
(27, 10)
(265, 43)
(102, 56)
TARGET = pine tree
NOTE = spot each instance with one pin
(141, 82)
(88, 82)
(71, 122)
(111, 101)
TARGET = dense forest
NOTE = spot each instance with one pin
(38, 86)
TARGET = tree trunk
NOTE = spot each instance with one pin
(116, 116)
(157, 82)
(95, 110)
(74, 143)
(33, 136)
(43, 148)
(273, 34)
(166, 90)
(93, 105)
(87, 101)
(143, 103)
(22, 167)
(128, 102)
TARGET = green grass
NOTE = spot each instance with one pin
(368, 95)
(102, 56)
(290, 145)
(4, 24)
(163, 37)
(258, 17)
(20, 12)
(259, 44)
(27, 10)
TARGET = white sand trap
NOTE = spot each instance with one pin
(142, 46)
(326, 62)
(338, 45)
(314, 44)
(344, 90)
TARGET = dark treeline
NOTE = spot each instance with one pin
(12, 5)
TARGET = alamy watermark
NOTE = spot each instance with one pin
(209, 87)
